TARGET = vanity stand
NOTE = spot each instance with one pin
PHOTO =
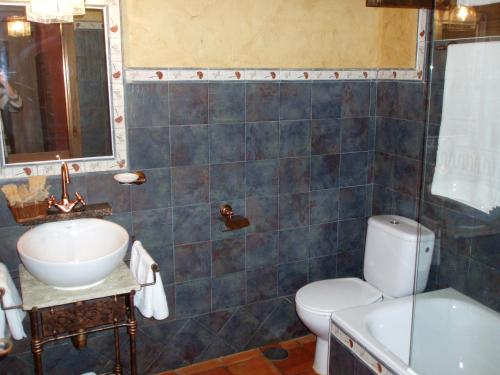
(60, 314)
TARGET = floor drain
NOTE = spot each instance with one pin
(275, 354)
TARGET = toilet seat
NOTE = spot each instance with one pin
(326, 296)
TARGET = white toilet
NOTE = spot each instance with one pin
(389, 270)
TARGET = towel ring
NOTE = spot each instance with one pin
(155, 269)
(2, 293)
(6, 346)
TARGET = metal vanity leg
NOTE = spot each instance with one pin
(36, 345)
(118, 366)
(132, 331)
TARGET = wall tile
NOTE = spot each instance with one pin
(228, 291)
(291, 277)
(262, 249)
(262, 140)
(352, 234)
(228, 256)
(353, 169)
(192, 261)
(407, 175)
(226, 102)
(102, 188)
(227, 181)
(322, 239)
(8, 250)
(191, 224)
(261, 178)
(324, 206)
(292, 246)
(294, 138)
(355, 134)
(293, 210)
(153, 194)
(261, 283)
(262, 102)
(350, 264)
(352, 202)
(262, 213)
(325, 172)
(355, 99)
(190, 185)
(149, 147)
(188, 103)
(322, 268)
(325, 136)
(326, 98)
(294, 175)
(153, 227)
(164, 257)
(192, 298)
(295, 101)
(147, 105)
(189, 145)
(227, 143)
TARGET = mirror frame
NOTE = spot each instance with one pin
(118, 161)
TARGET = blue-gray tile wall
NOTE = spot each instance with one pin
(293, 157)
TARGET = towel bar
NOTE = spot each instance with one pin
(155, 269)
(2, 293)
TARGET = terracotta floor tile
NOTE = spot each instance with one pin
(289, 344)
(299, 360)
(167, 373)
(239, 357)
(199, 367)
(306, 339)
(215, 371)
(310, 347)
(254, 366)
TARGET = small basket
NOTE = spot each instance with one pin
(29, 211)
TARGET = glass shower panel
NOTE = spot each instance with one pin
(456, 327)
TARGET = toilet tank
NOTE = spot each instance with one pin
(392, 245)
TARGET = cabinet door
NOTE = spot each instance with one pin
(400, 3)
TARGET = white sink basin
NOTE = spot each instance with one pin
(73, 254)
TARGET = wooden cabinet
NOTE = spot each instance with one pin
(400, 3)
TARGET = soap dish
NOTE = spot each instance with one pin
(131, 178)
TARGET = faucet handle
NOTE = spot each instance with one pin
(80, 199)
(51, 201)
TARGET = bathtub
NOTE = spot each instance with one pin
(453, 334)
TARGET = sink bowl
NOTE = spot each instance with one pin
(73, 254)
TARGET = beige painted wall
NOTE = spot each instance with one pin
(267, 33)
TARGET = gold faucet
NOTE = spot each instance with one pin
(65, 204)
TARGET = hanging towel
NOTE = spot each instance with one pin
(476, 2)
(151, 300)
(468, 154)
(11, 321)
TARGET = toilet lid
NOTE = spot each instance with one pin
(336, 294)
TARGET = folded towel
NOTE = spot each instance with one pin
(468, 156)
(11, 321)
(151, 300)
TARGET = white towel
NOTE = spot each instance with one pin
(468, 155)
(11, 321)
(151, 300)
(476, 2)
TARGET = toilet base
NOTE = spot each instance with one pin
(321, 357)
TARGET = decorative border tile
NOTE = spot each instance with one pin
(115, 77)
(364, 355)
(210, 74)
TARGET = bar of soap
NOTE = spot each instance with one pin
(126, 178)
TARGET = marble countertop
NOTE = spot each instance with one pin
(40, 295)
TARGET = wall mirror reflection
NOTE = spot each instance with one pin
(54, 95)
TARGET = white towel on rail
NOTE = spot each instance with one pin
(476, 2)
(468, 155)
(11, 321)
(151, 300)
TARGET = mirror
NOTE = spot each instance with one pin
(61, 91)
